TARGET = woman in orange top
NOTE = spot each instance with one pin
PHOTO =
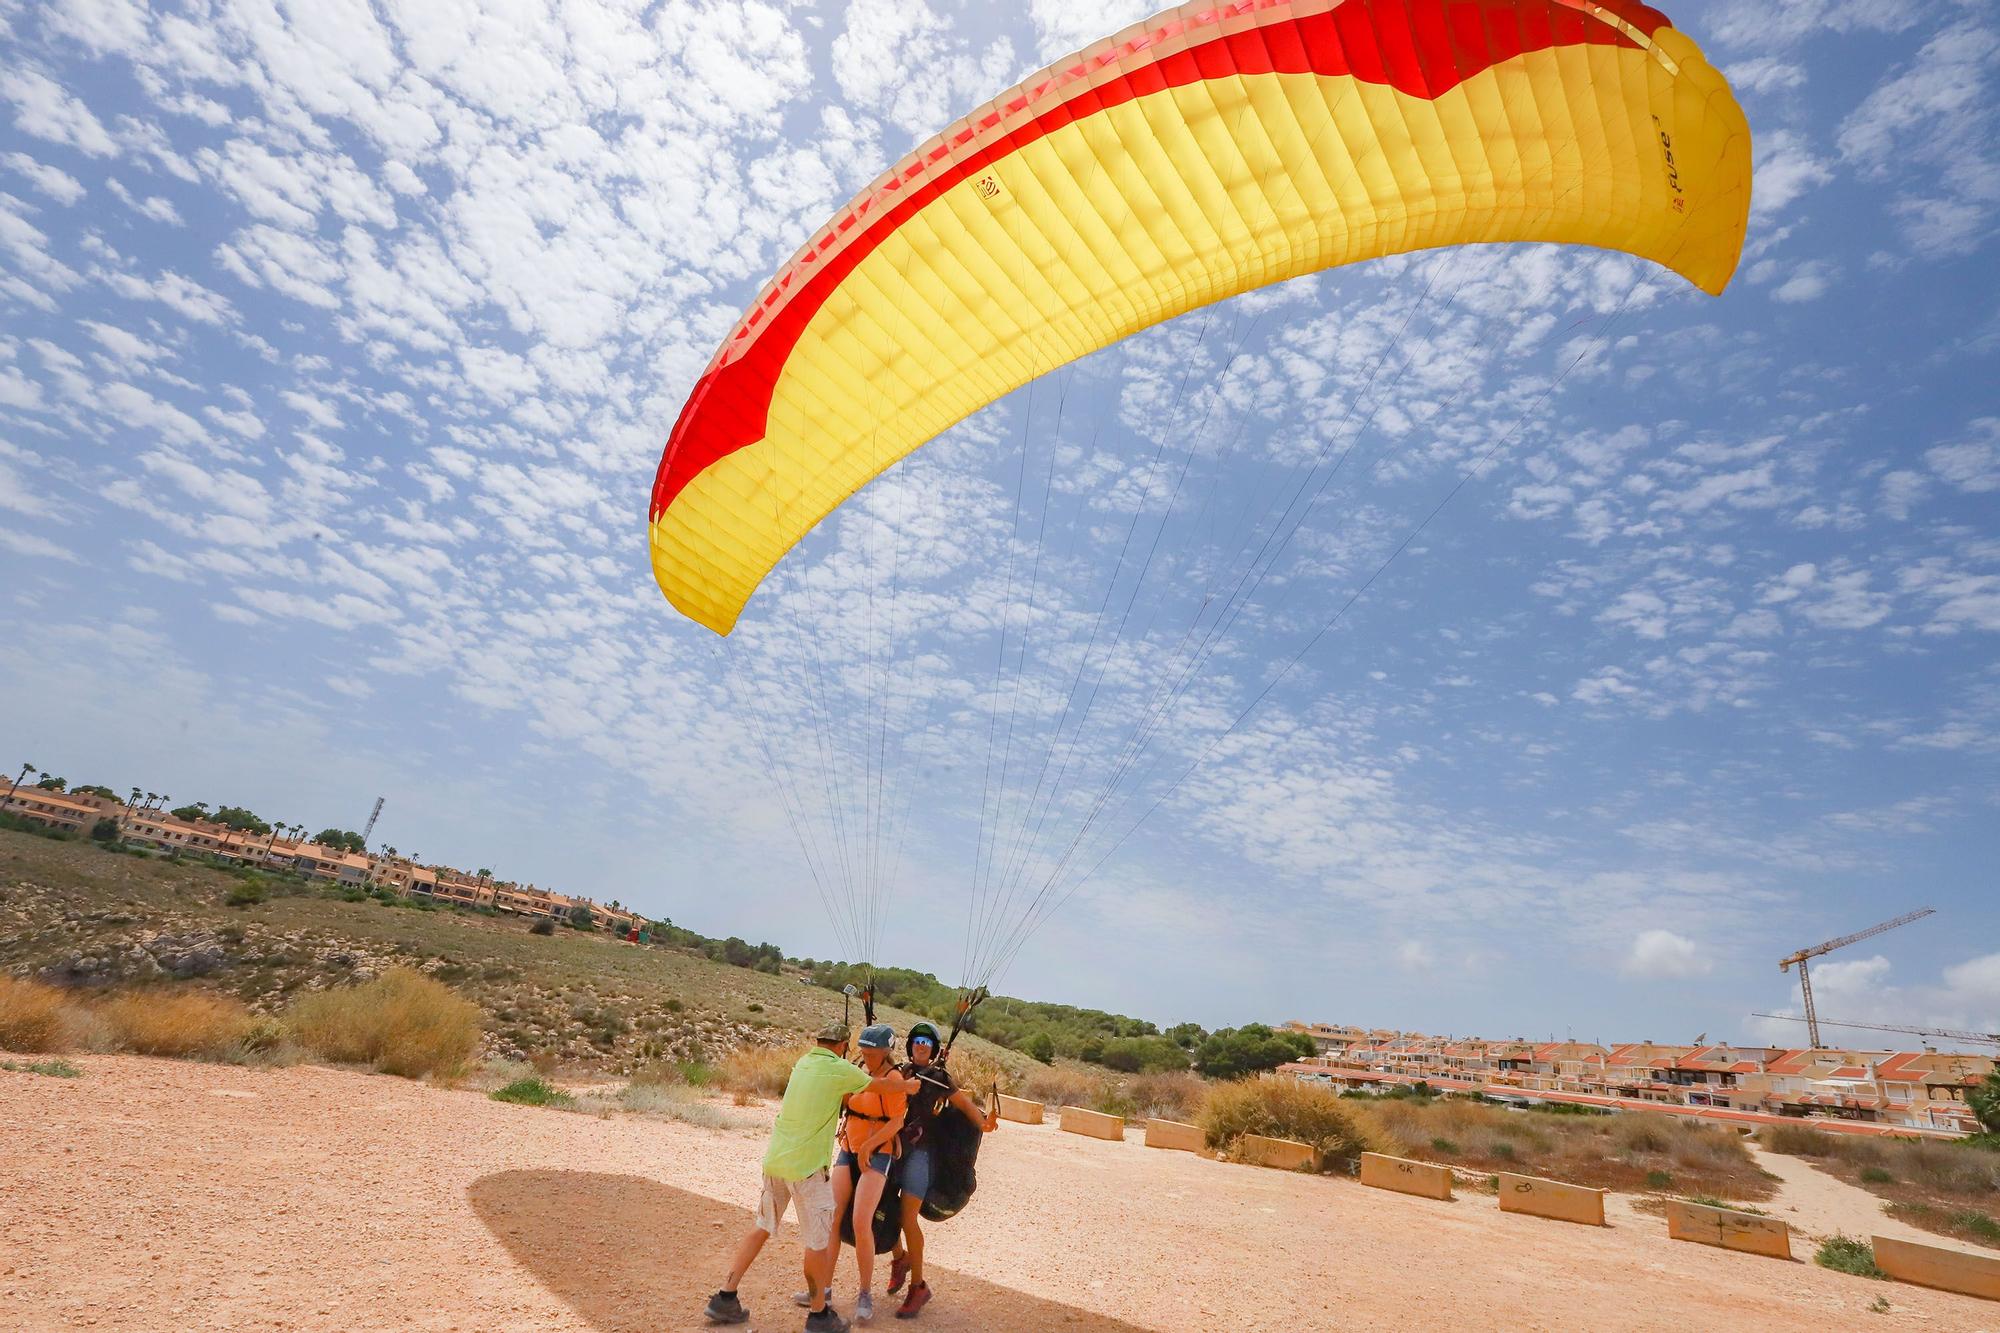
(868, 1138)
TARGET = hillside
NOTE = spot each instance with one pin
(75, 914)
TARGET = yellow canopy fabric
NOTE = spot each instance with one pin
(1209, 151)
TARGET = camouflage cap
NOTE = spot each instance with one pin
(832, 1032)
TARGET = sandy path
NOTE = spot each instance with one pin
(1822, 1205)
(152, 1195)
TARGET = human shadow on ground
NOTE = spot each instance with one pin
(630, 1254)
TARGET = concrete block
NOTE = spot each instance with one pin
(1551, 1198)
(1405, 1177)
(1020, 1111)
(1281, 1153)
(1728, 1229)
(1094, 1123)
(1934, 1266)
(1173, 1134)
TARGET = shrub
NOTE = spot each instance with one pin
(542, 927)
(1174, 1096)
(1065, 1085)
(1040, 1047)
(673, 1101)
(760, 1071)
(1875, 1175)
(1445, 1146)
(533, 1092)
(1844, 1254)
(176, 1023)
(1286, 1109)
(1659, 1180)
(244, 895)
(1797, 1141)
(33, 1017)
(401, 1023)
(49, 1068)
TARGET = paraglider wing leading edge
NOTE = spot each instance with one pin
(1209, 151)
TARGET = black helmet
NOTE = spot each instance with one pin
(923, 1031)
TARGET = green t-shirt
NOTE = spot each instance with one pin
(802, 1140)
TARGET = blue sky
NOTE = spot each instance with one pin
(340, 341)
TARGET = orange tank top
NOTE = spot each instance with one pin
(867, 1112)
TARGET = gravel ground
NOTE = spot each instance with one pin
(154, 1195)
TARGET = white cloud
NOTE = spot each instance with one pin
(1664, 955)
(1929, 130)
(57, 185)
(43, 109)
(1972, 464)
(28, 544)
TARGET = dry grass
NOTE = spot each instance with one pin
(674, 1101)
(758, 1071)
(34, 1018)
(1632, 1152)
(1287, 1109)
(177, 1024)
(400, 1023)
(1067, 1084)
(1947, 1187)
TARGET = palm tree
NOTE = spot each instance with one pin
(25, 770)
(133, 804)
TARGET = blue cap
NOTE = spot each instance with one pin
(877, 1037)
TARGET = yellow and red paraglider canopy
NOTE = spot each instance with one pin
(1212, 150)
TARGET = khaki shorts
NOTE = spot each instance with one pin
(815, 1204)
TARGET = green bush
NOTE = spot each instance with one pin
(533, 1091)
(1875, 1175)
(244, 895)
(1659, 1180)
(48, 1068)
(1844, 1254)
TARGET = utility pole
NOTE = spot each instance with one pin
(1803, 955)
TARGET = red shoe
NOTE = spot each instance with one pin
(919, 1297)
(899, 1268)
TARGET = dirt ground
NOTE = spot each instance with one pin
(153, 1195)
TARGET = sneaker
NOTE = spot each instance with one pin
(919, 1297)
(725, 1308)
(826, 1321)
(804, 1299)
(899, 1268)
(864, 1306)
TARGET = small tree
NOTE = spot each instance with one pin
(582, 917)
(341, 840)
(52, 783)
(199, 810)
(104, 830)
(1985, 1102)
(1041, 1047)
(95, 790)
(236, 817)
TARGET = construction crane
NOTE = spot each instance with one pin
(373, 815)
(1805, 975)
(1949, 1034)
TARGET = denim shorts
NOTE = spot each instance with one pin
(878, 1162)
(917, 1172)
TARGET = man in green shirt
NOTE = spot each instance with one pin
(795, 1168)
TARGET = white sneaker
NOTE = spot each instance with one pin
(804, 1299)
(864, 1306)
